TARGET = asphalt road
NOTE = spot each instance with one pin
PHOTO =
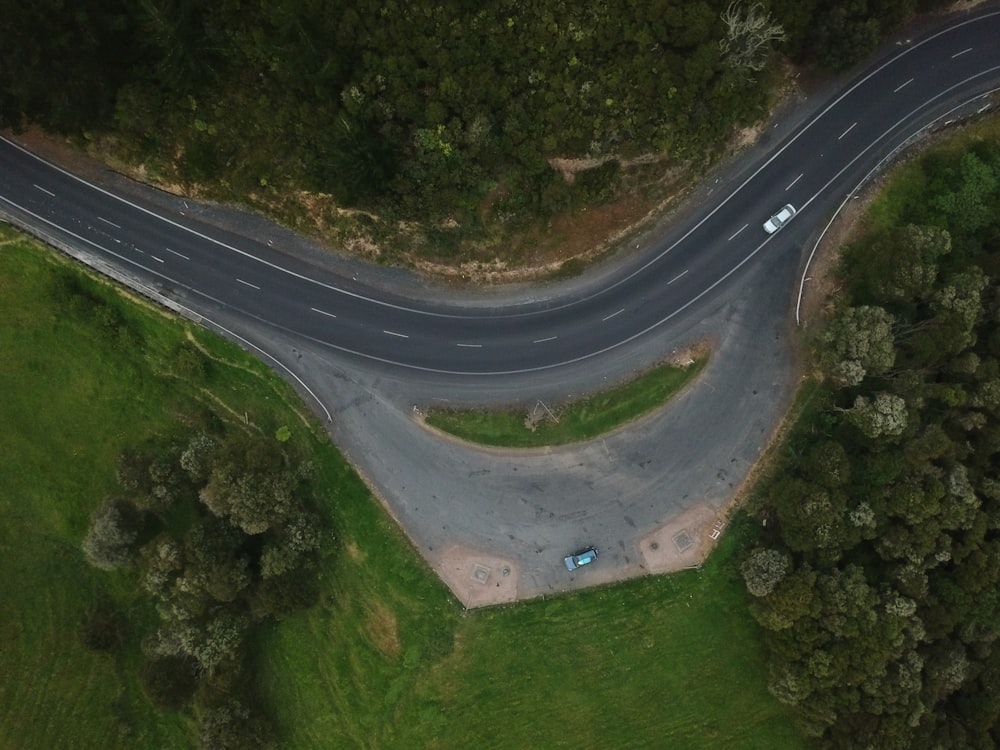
(368, 353)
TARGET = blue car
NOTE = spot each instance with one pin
(586, 557)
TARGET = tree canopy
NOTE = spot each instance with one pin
(877, 579)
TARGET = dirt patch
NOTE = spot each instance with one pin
(383, 631)
(476, 578)
(683, 542)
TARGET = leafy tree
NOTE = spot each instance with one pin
(764, 569)
(111, 540)
(859, 342)
(883, 415)
(170, 681)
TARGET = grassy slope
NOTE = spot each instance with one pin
(388, 659)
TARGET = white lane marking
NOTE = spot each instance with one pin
(793, 182)
(737, 232)
(676, 277)
(179, 255)
(471, 346)
(323, 312)
(959, 54)
(902, 86)
(613, 315)
(101, 218)
(157, 259)
(252, 286)
(846, 131)
(393, 333)
(542, 341)
(141, 252)
(47, 192)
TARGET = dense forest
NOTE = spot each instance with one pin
(436, 119)
(877, 579)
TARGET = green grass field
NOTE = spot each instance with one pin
(387, 659)
(579, 420)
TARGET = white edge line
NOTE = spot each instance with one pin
(902, 86)
(47, 192)
(851, 193)
(322, 312)
(805, 128)
(192, 314)
(106, 221)
(470, 346)
(179, 255)
(247, 283)
(737, 232)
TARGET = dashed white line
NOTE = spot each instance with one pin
(959, 54)
(471, 346)
(157, 259)
(676, 277)
(393, 333)
(613, 315)
(323, 312)
(179, 255)
(542, 341)
(733, 236)
(847, 131)
(101, 218)
(47, 192)
(902, 86)
(792, 183)
(247, 283)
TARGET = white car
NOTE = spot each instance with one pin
(779, 220)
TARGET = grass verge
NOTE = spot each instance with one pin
(387, 659)
(574, 421)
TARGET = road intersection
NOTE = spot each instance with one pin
(501, 522)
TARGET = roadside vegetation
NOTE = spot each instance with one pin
(385, 657)
(425, 129)
(877, 572)
(574, 421)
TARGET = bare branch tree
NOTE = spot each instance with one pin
(749, 33)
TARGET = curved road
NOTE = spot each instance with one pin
(869, 118)
(614, 491)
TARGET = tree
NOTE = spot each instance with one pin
(114, 530)
(883, 415)
(764, 569)
(859, 342)
(170, 681)
(750, 31)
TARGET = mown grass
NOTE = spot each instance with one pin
(387, 659)
(659, 662)
(574, 421)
